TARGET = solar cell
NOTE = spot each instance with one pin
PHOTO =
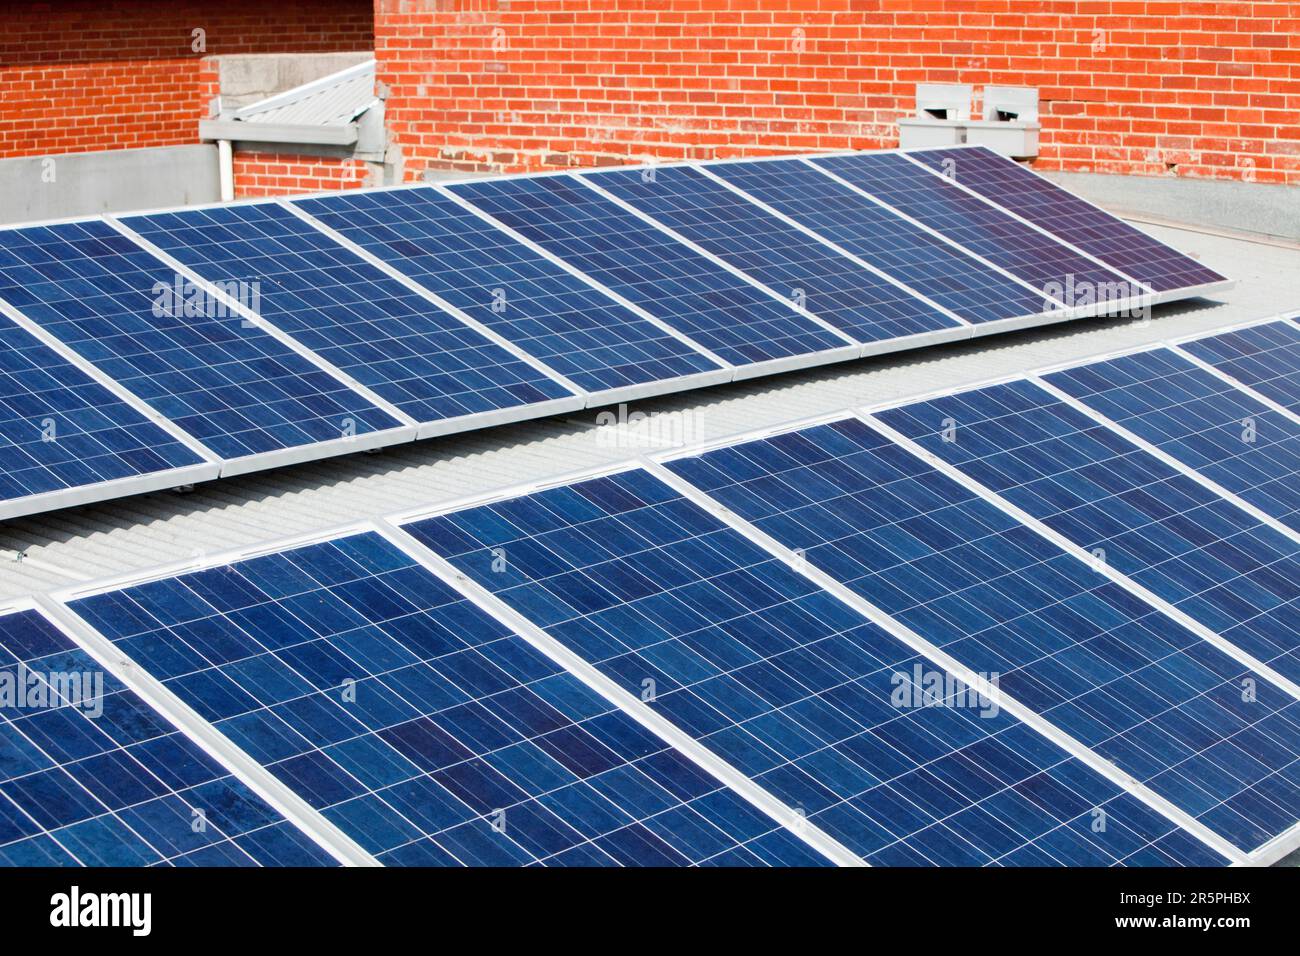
(798, 690)
(1114, 673)
(957, 281)
(828, 284)
(1208, 558)
(978, 226)
(1264, 357)
(90, 775)
(229, 384)
(1063, 214)
(62, 433)
(1201, 421)
(406, 350)
(419, 725)
(648, 267)
(510, 288)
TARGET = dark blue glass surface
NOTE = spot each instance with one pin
(669, 280)
(830, 285)
(796, 689)
(513, 290)
(91, 776)
(1238, 577)
(957, 281)
(411, 353)
(1200, 420)
(1264, 357)
(1114, 673)
(978, 226)
(422, 727)
(1063, 214)
(229, 384)
(60, 429)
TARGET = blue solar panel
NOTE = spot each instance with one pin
(90, 775)
(60, 429)
(793, 687)
(409, 352)
(518, 293)
(230, 385)
(984, 229)
(1114, 673)
(1063, 214)
(1200, 420)
(1263, 357)
(651, 269)
(951, 278)
(459, 743)
(1236, 576)
(835, 288)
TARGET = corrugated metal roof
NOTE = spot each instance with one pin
(333, 100)
(140, 533)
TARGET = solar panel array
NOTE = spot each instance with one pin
(179, 346)
(1048, 621)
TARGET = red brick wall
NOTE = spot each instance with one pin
(278, 174)
(1187, 88)
(77, 76)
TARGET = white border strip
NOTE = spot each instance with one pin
(910, 638)
(626, 702)
(180, 715)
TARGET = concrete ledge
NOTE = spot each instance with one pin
(1252, 208)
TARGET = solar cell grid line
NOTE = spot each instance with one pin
(1205, 427)
(785, 681)
(953, 278)
(1042, 202)
(788, 301)
(1264, 358)
(603, 347)
(835, 287)
(68, 438)
(418, 358)
(1022, 250)
(1208, 559)
(418, 724)
(230, 386)
(92, 776)
(1114, 674)
(641, 262)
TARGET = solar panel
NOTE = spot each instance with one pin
(851, 298)
(648, 267)
(976, 225)
(64, 437)
(795, 688)
(1202, 421)
(1206, 557)
(90, 775)
(419, 725)
(1077, 221)
(1264, 357)
(410, 353)
(957, 281)
(1114, 673)
(230, 385)
(513, 290)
